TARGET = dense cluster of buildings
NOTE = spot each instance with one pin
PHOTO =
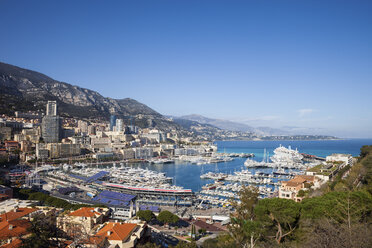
(33, 136)
(297, 188)
(85, 227)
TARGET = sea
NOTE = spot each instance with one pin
(187, 175)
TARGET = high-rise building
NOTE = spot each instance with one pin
(112, 122)
(51, 126)
(119, 127)
(91, 129)
(51, 108)
(83, 126)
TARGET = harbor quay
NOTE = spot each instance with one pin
(155, 188)
(152, 188)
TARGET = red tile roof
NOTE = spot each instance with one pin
(85, 212)
(95, 240)
(208, 227)
(117, 231)
(298, 180)
(14, 228)
(14, 244)
(16, 214)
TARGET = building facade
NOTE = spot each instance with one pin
(51, 108)
(112, 122)
(51, 129)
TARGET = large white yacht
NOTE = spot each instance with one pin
(283, 158)
(284, 155)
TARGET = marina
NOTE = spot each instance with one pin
(169, 182)
(156, 188)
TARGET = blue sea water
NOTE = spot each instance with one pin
(188, 175)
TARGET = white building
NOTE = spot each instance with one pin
(119, 127)
(51, 108)
(338, 157)
(155, 135)
(128, 153)
(11, 204)
(83, 126)
(186, 151)
(143, 153)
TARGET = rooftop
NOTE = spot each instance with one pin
(86, 212)
(206, 226)
(13, 244)
(298, 180)
(340, 155)
(13, 228)
(114, 198)
(17, 214)
(117, 231)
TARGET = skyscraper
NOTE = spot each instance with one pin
(112, 122)
(119, 125)
(51, 127)
(51, 108)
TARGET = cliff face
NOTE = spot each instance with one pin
(23, 90)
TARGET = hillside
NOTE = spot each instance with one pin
(222, 124)
(24, 90)
(234, 126)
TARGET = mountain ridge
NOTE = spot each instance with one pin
(23, 90)
(234, 126)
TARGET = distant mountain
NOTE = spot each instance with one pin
(271, 131)
(234, 126)
(23, 90)
(222, 124)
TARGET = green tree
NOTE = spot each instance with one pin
(146, 215)
(301, 193)
(193, 232)
(148, 245)
(186, 245)
(167, 217)
(364, 151)
(44, 233)
(244, 229)
(202, 231)
(279, 216)
(341, 207)
(211, 243)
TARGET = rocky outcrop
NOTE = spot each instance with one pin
(20, 85)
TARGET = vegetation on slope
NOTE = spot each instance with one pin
(341, 217)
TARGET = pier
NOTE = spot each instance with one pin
(153, 196)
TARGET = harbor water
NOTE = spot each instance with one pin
(188, 175)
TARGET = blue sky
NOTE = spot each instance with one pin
(301, 65)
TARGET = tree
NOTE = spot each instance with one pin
(279, 216)
(44, 233)
(364, 151)
(193, 232)
(148, 245)
(167, 217)
(211, 243)
(301, 193)
(326, 233)
(146, 215)
(340, 214)
(248, 197)
(244, 229)
(340, 207)
(202, 231)
(186, 245)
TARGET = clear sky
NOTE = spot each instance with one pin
(305, 65)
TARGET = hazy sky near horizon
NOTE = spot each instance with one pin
(299, 65)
